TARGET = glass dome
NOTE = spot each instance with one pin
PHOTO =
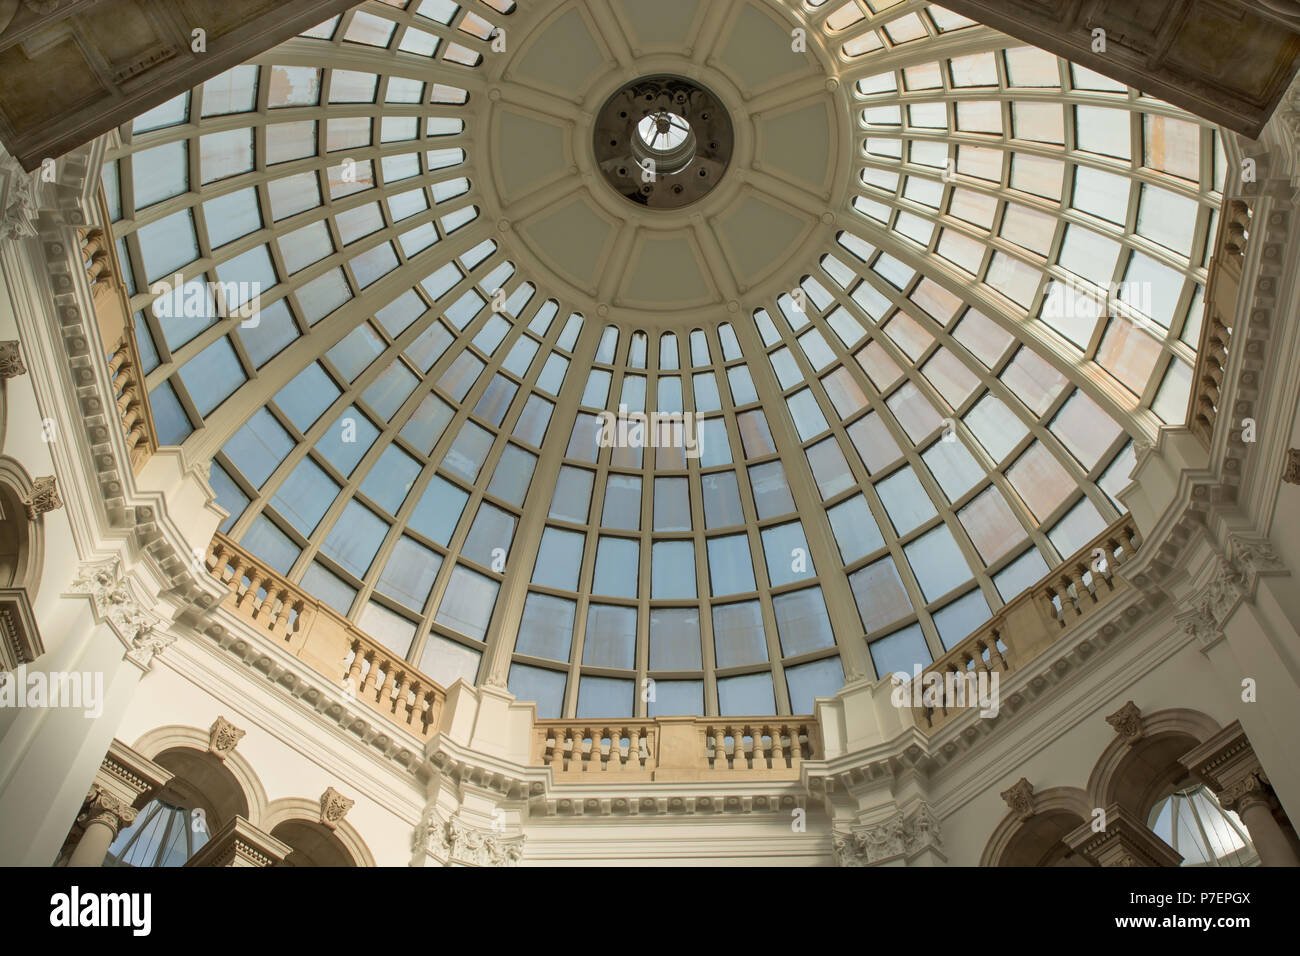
(943, 284)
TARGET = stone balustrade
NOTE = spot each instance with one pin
(1025, 627)
(677, 748)
(117, 338)
(1221, 291)
(363, 669)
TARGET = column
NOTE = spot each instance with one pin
(1227, 764)
(124, 781)
(104, 817)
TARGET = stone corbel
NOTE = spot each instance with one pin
(1020, 798)
(223, 737)
(44, 497)
(1291, 467)
(333, 808)
(1127, 722)
(11, 359)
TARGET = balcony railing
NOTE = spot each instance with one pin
(117, 338)
(362, 668)
(1220, 311)
(1025, 627)
(676, 748)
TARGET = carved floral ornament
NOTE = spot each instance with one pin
(223, 737)
(44, 497)
(1291, 470)
(116, 602)
(1127, 722)
(1020, 798)
(897, 836)
(11, 360)
(334, 807)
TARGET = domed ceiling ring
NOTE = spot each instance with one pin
(663, 142)
(708, 257)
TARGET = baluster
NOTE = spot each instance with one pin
(397, 688)
(412, 705)
(778, 752)
(255, 577)
(634, 748)
(282, 619)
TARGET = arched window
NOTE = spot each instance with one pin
(1192, 822)
(163, 834)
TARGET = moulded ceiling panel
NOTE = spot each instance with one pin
(529, 152)
(561, 56)
(757, 51)
(573, 239)
(797, 143)
(757, 237)
(664, 23)
(664, 273)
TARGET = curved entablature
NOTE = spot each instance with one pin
(933, 302)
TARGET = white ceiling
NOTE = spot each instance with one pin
(663, 268)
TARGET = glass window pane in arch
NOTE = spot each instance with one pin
(605, 697)
(677, 698)
(448, 661)
(748, 694)
(879, 593)
(957, 619)
(539, 684)
(721, 500)
(807, 682)
(559, 559)
(786, 550)
(546, 629)
(901, 652)
(467, 605)
(610, 639)
(409, 573)
(672, 573)
(738, 635)
(616, 567)
(355, 538)
(802, 623)
(730, 568)
(675, 639)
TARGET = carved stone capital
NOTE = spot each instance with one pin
(334, 807)
(897, 836)
(1127, 722)
(11, 359)
(116, 602)
(1246, 792)
(44, 497)
(1020, 798)
(223, 737)
(101, 806)
(452, 840)
(19, 199)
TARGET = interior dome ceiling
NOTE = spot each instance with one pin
(944, 283)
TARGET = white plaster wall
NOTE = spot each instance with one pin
(1058, 745)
